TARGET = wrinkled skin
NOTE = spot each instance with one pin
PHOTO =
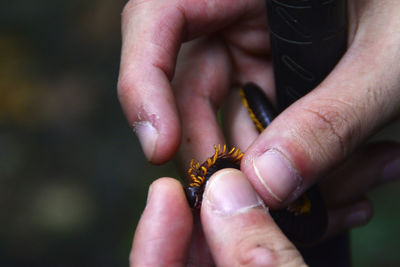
(179, 60)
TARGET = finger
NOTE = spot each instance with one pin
(238, 227)
(369, 167)
(240, 130)
(199, 252)
(164, 230)
(152, 32)
(146, 67)
(320, 130)
(353, 215)
(238, 127)
(199, 97)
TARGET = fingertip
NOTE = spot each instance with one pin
(164, 230)
(229, 192)
(272, 175)
(152, 114)
(370, 166)
(146, 97)
(353, 215)
(391, 171)
(359, 214)
(148, 137)
(159, 140)
(166, 182)
(169, 190)
(166, 142)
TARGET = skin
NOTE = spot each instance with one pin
(179, 60)
(250, 237)
(169, 235)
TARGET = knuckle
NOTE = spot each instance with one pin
(249, 255)
(378, 101)
(333, 126)
(374, 96)
(261, 247)
(268, 254)
(128, 88)
(124, 85)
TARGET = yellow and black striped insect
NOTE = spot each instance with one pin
(305, 220)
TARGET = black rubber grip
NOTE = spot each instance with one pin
(308, 37)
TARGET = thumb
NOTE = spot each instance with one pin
(320, 130)
(238, 227)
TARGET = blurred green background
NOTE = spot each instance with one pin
(73, 180)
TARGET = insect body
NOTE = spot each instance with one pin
(303, 221)
(200, 173)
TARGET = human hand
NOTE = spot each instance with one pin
(230, 38)
(307, 140)
(235, 230)
(345, 189)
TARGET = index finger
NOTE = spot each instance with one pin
(152, 32)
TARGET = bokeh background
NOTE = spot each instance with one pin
(73, 180)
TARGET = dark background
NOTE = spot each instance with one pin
(73, 180)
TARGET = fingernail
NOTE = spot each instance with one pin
(391, 171)
(229, 192)
(148, 136)
(277, 175)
